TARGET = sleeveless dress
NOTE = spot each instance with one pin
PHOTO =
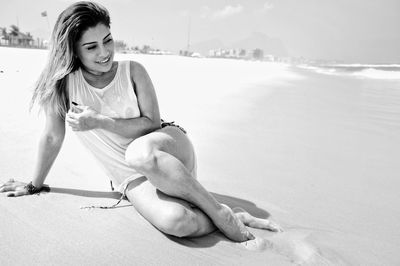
(116, 100)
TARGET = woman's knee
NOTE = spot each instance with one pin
(141, 155)
(178, 221)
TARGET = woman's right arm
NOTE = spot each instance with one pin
(50, 144)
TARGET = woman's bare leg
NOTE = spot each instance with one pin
(164, 157)
(177, 217)
(170, 215)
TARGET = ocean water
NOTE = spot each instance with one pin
(372, 71)
(324, 148)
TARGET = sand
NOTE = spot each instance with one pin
(318, 152)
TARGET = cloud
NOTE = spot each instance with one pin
(228, 11)
(267, 6)
(223, 13)
(205, 12)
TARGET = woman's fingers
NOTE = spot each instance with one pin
(73, 123)
(17, 193)
(78, 108)
(13, 188)
(71, 120)
(7, 188)
(71, 114)
(9, 182)
(12, 185)
(73, 126)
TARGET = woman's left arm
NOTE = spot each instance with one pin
(85, 118)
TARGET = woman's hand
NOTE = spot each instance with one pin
(82, 118)
(13, 188)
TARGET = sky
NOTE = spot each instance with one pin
(354, 31)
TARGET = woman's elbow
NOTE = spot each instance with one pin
(153, 125)
(156, 124)
(53, 139)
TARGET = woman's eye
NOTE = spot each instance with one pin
(109, 40)
(91, 47)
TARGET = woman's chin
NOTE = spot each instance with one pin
(100, 68)
(104, 67)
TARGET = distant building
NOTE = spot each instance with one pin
(15, 37)
(22, 39)
(251, 54)
(270, 58)
(258, 54)
(225, 53)
(196, 54)
(239, 53)
(214, 53)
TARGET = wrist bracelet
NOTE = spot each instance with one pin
(33, 190)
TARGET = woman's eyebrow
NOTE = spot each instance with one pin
(96, 42)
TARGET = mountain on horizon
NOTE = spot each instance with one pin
(204, 47)
(271, 46)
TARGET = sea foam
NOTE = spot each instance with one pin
(387, 72)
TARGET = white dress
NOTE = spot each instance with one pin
(116, 100)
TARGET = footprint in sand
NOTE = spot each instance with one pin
(258, 244)
(295, 246)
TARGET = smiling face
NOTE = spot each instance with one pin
(95, 49)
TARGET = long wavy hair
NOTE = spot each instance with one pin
(50, 91)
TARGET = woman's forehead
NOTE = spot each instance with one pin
(94, 33)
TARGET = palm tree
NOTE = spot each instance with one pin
(14, 32)
(4, 35)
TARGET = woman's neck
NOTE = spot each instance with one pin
(100, 79)
(89, 74)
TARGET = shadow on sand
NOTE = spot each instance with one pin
(201, 242)
(216, 237)
(86, 193)
(228, 200)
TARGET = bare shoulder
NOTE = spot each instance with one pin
(137, 69)
(140, 78)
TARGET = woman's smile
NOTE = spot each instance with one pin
(105, 61)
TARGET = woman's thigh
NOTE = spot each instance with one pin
(161, 210)
(171, 140)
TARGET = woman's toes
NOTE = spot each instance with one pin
(272, 226)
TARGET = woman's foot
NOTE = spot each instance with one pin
(231, 226)
(255, 222)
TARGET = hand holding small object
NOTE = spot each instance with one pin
(82, 118)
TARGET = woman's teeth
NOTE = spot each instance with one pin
(104, 61)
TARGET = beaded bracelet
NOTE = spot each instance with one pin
(33, 190)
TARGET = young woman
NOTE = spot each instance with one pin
(113, 109)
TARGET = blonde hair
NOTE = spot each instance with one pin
(50, 91)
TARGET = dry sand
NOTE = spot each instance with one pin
(317, 152)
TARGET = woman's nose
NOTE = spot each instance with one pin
(103, 51)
